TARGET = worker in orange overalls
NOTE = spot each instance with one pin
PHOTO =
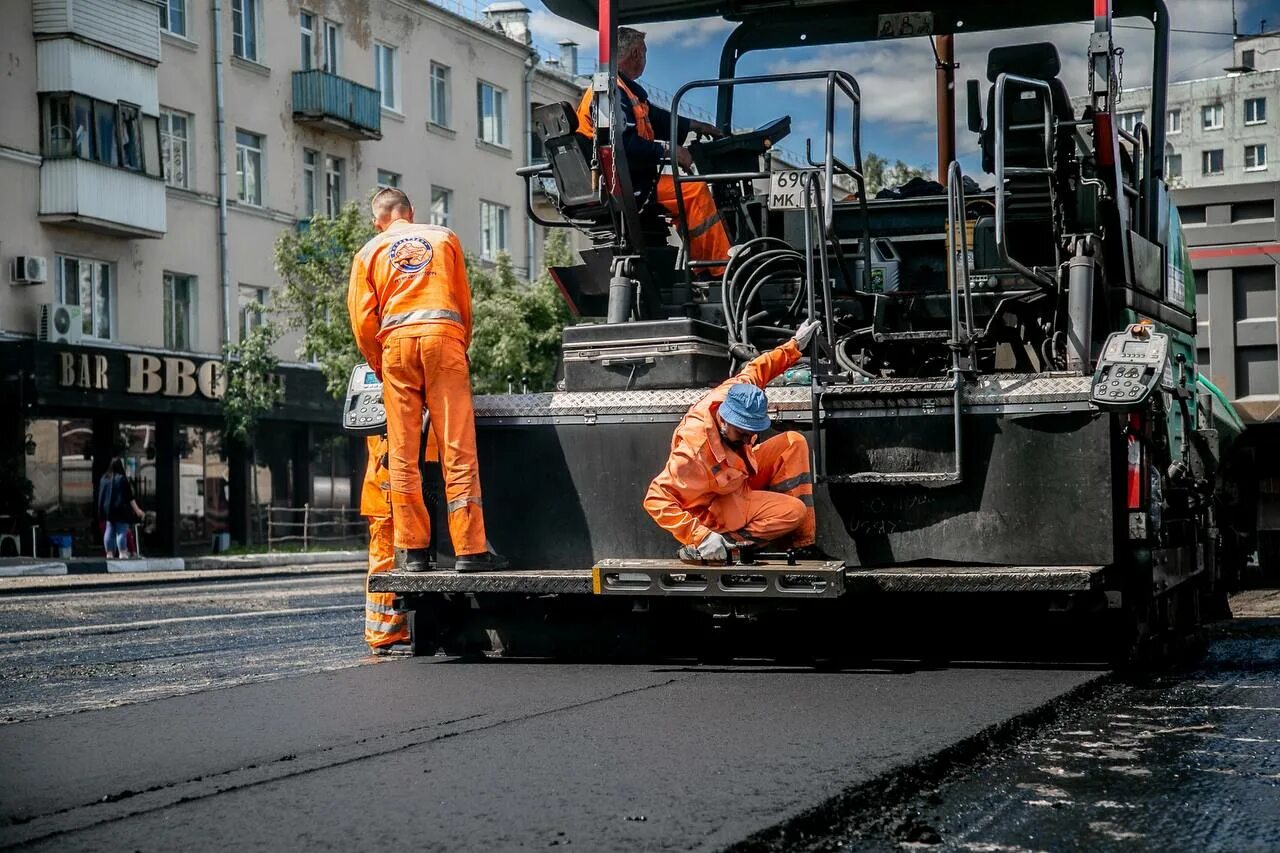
(410, 306)
(383, 625)
(644, 140)
(719, 487)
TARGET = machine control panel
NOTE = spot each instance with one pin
(1130, 368)
(364, 412)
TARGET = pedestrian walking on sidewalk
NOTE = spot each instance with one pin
(117, 510)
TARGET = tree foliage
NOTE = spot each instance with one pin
(517, 326)
(252, 389)
(881, 174)
(314, 265)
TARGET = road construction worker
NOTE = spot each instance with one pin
(383, 626)
(410, 306)
(719, 487)
(644, 138)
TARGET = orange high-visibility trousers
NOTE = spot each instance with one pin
(383, 625)
(427, 369)
(708, 241)
(782, 488)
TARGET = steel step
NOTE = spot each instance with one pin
(766, 579)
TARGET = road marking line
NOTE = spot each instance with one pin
(118, 627)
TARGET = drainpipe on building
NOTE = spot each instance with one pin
(530, 65)
(219, 111)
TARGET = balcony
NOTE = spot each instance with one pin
(101, 198)
(337, 104)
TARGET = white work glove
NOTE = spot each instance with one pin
(713, 547)
(804, 334)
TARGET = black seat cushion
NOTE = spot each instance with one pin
(1038, 61)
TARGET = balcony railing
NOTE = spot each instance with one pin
(340, 105)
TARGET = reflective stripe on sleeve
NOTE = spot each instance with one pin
(454, 506)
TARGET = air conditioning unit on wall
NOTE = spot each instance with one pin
(61, 324)
(28, 269)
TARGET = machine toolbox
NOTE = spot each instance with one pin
(645, 355)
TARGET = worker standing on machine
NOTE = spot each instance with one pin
(643, 138)
(384, 626)
(410, 306)
(718, 487)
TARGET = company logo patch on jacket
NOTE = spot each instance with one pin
(410, 254)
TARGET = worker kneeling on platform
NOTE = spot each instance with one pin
(719, 487)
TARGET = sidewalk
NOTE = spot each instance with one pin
(34, 567)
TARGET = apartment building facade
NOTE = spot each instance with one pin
(166, 145)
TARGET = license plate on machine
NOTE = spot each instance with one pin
(786, 188)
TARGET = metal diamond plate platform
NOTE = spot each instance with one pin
(567, 582)
(946, 579)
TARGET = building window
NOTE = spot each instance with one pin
(104, 134)
(1130, 120)
(307, 45)
(333, 167)
(91, 285)
(310, 163)
(491, 111)
(1175, 122)
(175, 148)
(388, 179)
(173, 16)
(76, 126)
(253, 304)
(442, 207)
(1255, 111)
(1255, 158)
(1172, 166)
(245, 20)
(1211, 162)
(1211, 117)
(129, 118)
(441, 109)
(179, 311)
(248, 168)
(1247, 58)
(386, 73)
(332, 47)
(493, 229)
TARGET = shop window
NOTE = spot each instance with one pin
(331, 471)
(203, 487)
(60, 469)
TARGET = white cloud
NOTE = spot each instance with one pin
(703, 32)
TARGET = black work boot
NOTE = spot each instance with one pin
(486, 562)
(417, 560)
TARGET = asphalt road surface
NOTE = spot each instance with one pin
(248, 715)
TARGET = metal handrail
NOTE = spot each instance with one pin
(835, 79)
(1003, 171)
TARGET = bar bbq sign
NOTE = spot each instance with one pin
(146, 374)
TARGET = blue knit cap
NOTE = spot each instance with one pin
(746, 407)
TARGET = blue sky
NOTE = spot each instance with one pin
(897, 76)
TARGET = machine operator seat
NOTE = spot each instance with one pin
(578, 198)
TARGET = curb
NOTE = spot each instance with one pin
(17, 567)
(27, 568)
(273, 560)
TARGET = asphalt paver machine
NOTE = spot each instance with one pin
(1004, 407)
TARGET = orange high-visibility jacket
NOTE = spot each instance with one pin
(700, 468)
(375, 494)
(409, 275)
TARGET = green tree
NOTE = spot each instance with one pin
(517, 326)
(880, 173)
(314, 265)
(252, 390)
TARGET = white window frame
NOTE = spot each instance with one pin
(169, 140)
(245, 154)
(388, 178)
(167, 8)
(307, 39)
(246, 29)
(1168, 161)
(310, 170)
(441, 95)
(331, 46)
(445, 195)
(1173, 122)
(171, 280)
(250, 320)
(334, 181)
(1259, 150)
(1130, 120)
(1261, 103)
(1206, 157)
(386, 62)
(491, 131)
(94, 325)
(494, 215)
(1210, 113)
